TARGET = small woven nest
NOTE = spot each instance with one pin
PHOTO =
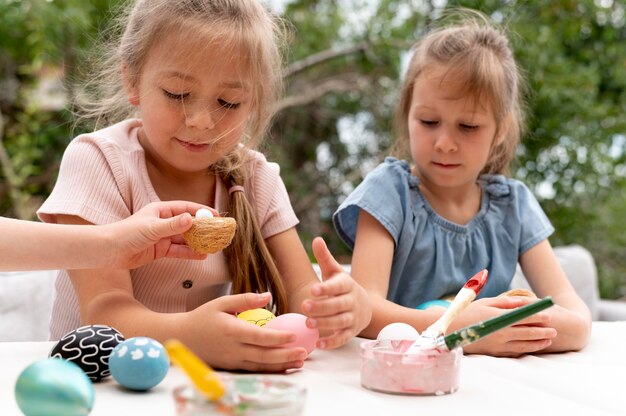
(518, 292)
(210, 235)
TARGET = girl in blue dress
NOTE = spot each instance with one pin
(419, 230)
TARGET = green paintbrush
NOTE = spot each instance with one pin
(474, 332)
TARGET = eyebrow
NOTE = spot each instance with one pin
(185, 77)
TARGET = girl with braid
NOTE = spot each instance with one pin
(185, 96)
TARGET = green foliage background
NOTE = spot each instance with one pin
(345, 65)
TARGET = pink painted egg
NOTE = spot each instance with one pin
(296, 323)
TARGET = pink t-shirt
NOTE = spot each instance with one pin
(103, 178)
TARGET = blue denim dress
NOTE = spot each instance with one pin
(434, 257)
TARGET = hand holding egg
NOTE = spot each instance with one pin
(292, 322)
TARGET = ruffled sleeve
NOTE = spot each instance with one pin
(517, 210)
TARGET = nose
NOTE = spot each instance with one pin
(444, 142)
(199, 116)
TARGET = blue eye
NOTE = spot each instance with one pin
(177, 97)
(228, 105)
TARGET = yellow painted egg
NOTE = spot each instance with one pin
(257, 316)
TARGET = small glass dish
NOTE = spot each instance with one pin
(388, 368)
(245, 395)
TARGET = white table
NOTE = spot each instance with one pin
(589, 382)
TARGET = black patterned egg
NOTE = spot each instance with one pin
(89, 347)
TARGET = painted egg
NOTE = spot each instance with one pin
(437, 302)
(398, 331)
(204, 213)
(257, 316)
(89, 347)
(54, 387)
(294, 322)
(139, 363)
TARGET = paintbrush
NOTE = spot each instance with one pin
(465, 296)
(201, 375)
(473, 333)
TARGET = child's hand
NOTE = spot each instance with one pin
(216, 335)
(340, 307)
(525, 337)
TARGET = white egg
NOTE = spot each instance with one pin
(398, 331)
(204, 213)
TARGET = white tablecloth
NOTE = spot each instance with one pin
(589, 382)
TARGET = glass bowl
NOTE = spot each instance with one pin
(245, 395)
(388, 368)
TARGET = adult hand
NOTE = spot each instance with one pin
(339, 307)
(152, 233)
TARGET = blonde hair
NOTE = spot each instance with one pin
(479, 56)
(242, 25)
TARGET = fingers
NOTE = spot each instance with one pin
(327, 306)
(261, 348)
(337, 339)
(179, 251)
(164, 228)
(274, 359)
(243, 302)
(514, 341)
(328, 265)
(168, 209)
(339, 285)
(507, 302)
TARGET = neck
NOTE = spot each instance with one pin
(456, 204)
(174, 184)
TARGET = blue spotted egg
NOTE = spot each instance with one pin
(89, 347)
(139, 363)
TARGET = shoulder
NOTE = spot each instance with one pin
(112, 140)
(260, 171)
(392, 172)
(501, 188)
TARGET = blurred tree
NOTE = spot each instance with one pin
(40, 45)
(333, 126)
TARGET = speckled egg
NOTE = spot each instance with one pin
(294, 322)
(139, 363)
(89, 347)
(257, 316)
(54, 387)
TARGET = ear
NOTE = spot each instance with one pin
(503, 130)
(130, 85)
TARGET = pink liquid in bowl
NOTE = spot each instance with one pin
(386, 367)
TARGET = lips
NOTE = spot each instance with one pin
(446, 165)
(193, 147)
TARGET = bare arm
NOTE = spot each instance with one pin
(151, 233)
(570, 316)
(371, 267)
